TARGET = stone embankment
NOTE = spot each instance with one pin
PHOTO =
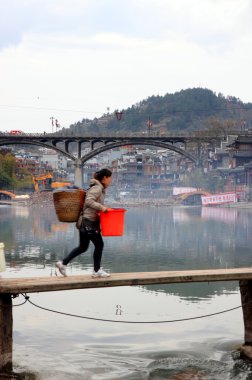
(239, 205)
(141, 202)
(43, 199)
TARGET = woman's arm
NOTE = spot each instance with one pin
(92, 197)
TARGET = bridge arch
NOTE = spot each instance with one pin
(109, 142)
(111, 145)
(39, 143)
(193, 197)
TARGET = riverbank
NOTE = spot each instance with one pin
(239, 205)
(142, 202)
(33, 199)
(45, 199)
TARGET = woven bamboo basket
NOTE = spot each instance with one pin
(68, 203)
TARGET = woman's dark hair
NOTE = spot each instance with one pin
(102, 173)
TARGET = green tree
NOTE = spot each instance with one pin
(218, 127)
(7, 171)
(24, 180)
(11, 176)
(210, 181)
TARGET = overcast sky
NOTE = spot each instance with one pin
(74, 59)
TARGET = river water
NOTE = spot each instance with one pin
(56, 346)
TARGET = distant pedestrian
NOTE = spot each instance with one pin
(90, 228)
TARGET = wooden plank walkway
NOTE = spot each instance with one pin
(56, 283)
(10, 286)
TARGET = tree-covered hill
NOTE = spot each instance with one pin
(185, 111)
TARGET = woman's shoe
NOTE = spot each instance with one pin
(61, 267)
(100, 273)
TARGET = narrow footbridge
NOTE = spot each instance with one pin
(10, 287)
(55, 283)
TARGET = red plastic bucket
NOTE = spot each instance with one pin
(112, 222)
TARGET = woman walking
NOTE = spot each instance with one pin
(90, 228)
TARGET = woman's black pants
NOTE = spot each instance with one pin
(85, 239)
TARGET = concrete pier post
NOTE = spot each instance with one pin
(6, 326)
(246, 299)
(78, 175)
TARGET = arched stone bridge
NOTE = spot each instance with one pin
(100, 144)
(4, 194)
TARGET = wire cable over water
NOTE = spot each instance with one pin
(22, 303)
(27, 298)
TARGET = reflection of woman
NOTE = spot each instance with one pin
(90, 229)
(2, 258)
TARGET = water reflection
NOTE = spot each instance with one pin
(154, 239)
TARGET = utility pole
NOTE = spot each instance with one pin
(52, 122)
(149, 125)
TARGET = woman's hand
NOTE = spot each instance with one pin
(106, 209)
